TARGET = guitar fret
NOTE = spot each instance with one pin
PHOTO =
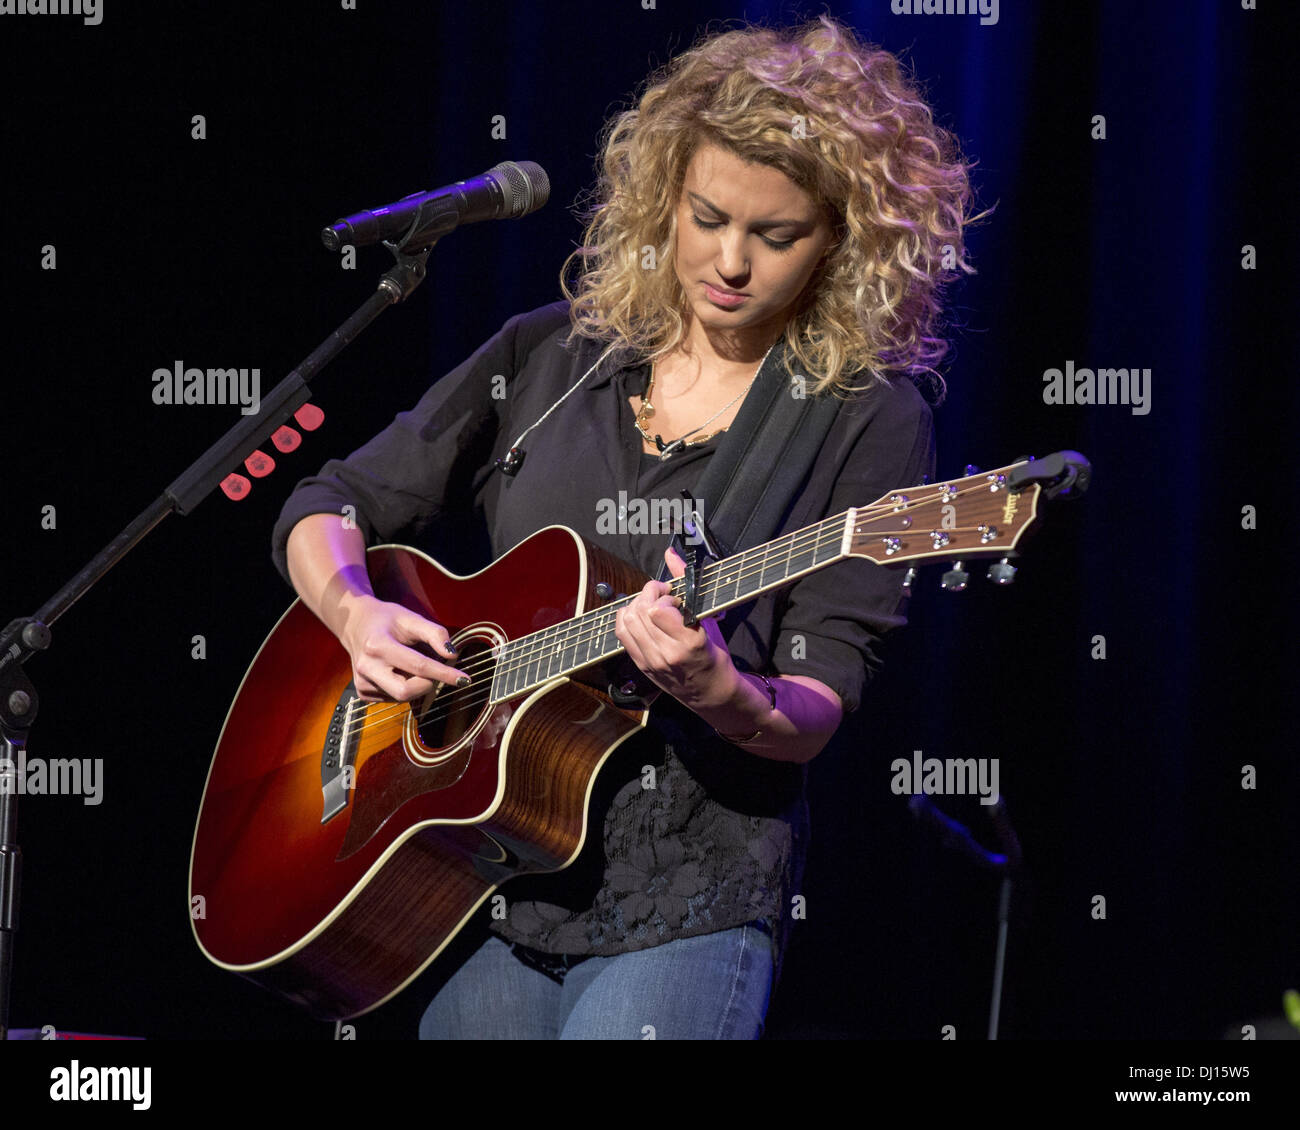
(729, 581)
(738, 588)
(517, 675)
(567, 647)
(582, 641)
(555, 651)
(529, 668)
(609, 644)
(550, 641)
(831, 547)
(501, 676)
(514, 662)
(753, 571)
(536, 657)
(562, 651)
(533, 671)
(579, 648)
(708, 590)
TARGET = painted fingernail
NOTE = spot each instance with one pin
(450, 648)
(463, 681)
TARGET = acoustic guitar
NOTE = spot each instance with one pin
(341, 844)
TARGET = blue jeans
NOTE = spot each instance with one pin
(711, 987)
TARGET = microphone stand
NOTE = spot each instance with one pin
(958, 837)
(26, 636)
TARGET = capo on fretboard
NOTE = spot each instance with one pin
(701, 548)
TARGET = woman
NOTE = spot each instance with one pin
(778, 198)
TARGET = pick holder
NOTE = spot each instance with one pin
(236, 487)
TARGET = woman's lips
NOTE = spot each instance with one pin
(723, 298)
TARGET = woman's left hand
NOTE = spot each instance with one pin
(691, 664)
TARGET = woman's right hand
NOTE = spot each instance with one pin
(382, 638)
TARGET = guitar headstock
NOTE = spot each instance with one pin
(981, 515)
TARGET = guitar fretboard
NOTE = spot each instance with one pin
(534, 659)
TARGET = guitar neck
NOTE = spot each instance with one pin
(981, 515)
(562, 649)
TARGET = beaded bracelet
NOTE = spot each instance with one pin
(771, 691)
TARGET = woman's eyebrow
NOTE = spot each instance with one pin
(696, 198)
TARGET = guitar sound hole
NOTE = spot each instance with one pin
(447, 714)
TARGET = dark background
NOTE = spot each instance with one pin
(1123, 774)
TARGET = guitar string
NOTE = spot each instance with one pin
(598, 621)
(595, 622)
(465, 699)
(542, 649)
(812, 537)
(455, 698)
(601, 624)
(544, 638)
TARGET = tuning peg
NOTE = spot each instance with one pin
(908, 578)
(971, 469)
(1003, 573)
(955, 579)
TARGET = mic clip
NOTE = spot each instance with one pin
(511, 462)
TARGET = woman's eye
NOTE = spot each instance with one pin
(713, 225)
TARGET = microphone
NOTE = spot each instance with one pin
(505, 191)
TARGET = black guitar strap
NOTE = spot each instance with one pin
(763, 459)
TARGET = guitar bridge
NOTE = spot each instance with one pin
(337, 775)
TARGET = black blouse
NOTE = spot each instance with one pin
(699, 835)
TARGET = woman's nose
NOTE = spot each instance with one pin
(732, 260)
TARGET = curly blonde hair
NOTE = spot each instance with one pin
(844, 122)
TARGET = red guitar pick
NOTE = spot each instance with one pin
(259, 464)
(286, 439)
(309, 417)
(236, 487)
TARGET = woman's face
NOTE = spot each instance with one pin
(748, 241)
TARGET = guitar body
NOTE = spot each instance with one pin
(341, 845)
